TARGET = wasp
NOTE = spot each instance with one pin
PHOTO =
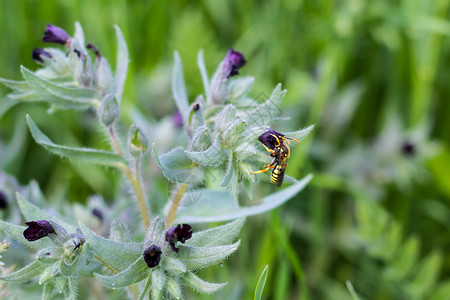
(277, 144)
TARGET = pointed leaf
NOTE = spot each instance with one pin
(265, 112)
(133, 274)
(179, 89)
(203, 72)
(33, 213)
(173, 288)
(121, 64)
(118, 256)
(172, 265)
(21, 86)
(300, 134)
(119, 231)
(426, 274)
(146, 288)
(261, 283)
(66, 97)
(81, 154)
(216, 206)
(199, 257)
(26, 273)
(211, 157)
(16, 232)
(220, 235)
(177, 167)
(67, 269)
(200, 285)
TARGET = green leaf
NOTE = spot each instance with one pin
(172, 265)
(426, 274)
(211, 157)
(264, 113)
(118, 256)
(20, 86)
(47, 291)
(404, 260)
(441, 292)
(81, 154)
(352, 290)
(203, 72)
(179, 89)
(200, 257)
(16, 232)
(177, 167)
(200, 285)
(133, 274)
(300, 134)
(119, 231)
(65, 97)
(121, 64)
(146, 288)
(173, 288)
(68, 269)
(26, 273)
(33, 213)
(261, 283)
(220, 235)
(158, 279)
(219, 206)
(239, 87)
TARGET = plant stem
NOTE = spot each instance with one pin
(133, 177)
(175, 202)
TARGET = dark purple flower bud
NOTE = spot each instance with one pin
(3, 201)
(98, 213)
(177, 119)
(408, 148)
(37, 230)
(179, 233)
(39, 53)
(54, 34)
(268, 138)
(232, 63)
(195, 107)
(152, 256)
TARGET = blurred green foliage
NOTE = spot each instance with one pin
(351, 67)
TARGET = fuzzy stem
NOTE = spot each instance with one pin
(175, 202)
(133, 177)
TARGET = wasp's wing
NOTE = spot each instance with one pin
(281, 175)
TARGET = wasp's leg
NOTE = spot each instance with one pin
(293, 140)
(264, 170)
(278, 140)
(268, 150)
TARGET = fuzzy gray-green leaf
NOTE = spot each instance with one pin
(121, 64)
(147, 286)
(203, 72)
(173, 288)
(88, 155)
(133, 274)
(118, 256)
(220, 235)
(177, 167)
(217, 206)
(16, 232)
(200, 285)
(20, 86)
(200, 257)
(211, 157)
(172, 265)
(66, 97)
(26, 273)
(265, 112)
(300, 134)
(33, 213)
(119, 231)
(179, 89)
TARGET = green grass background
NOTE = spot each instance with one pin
(393, 55)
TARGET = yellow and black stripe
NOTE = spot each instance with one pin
(278, 174)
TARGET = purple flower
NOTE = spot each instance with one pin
(37, 230)
(408, 148)
(177, 119)
(268, 139)
(152, 256)
(232, 63)
(179, 233)
(3, 201)
(55, 34)
(38, 55)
